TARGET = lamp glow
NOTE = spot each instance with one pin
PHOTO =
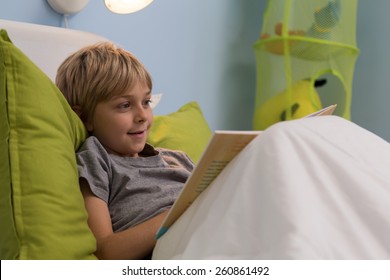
(126, 6)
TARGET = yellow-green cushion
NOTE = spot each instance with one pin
(185, 130)
(42, 214)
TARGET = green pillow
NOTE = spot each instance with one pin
(42, 214)
(185, 130)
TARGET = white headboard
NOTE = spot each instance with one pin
(47, 46)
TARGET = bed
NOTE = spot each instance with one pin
(315, 197)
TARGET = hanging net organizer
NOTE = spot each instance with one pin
(305, 59)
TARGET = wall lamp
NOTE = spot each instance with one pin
(68, 7)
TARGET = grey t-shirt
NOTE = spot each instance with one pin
(134, 188)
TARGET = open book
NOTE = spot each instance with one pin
(221, 149)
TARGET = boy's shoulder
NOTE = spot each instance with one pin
(92, 144)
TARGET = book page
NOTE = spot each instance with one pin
(323, 112)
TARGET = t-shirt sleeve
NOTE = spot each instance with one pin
(95, 168)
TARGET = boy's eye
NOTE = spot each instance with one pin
(124, 105)
(148, 102)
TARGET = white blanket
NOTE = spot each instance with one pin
(315, 188)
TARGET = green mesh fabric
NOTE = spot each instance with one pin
(300, 42)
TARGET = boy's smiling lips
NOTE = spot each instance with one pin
(136, 133)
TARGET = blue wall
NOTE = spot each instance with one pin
(202, 50)
(371, 88)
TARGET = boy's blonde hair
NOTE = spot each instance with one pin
(98, 73)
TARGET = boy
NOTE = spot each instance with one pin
(127, 185)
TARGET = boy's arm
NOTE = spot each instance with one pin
(134, 243)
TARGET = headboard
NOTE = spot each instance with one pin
(35, 40)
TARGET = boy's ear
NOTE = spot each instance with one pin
(89, 127)
(79, 112)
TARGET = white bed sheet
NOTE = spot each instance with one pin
(315, 188)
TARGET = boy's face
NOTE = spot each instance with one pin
(122, 124)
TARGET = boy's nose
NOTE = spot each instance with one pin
(140, 115)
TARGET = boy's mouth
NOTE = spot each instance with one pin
(136, 132)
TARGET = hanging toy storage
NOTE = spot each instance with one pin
(305, 59)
